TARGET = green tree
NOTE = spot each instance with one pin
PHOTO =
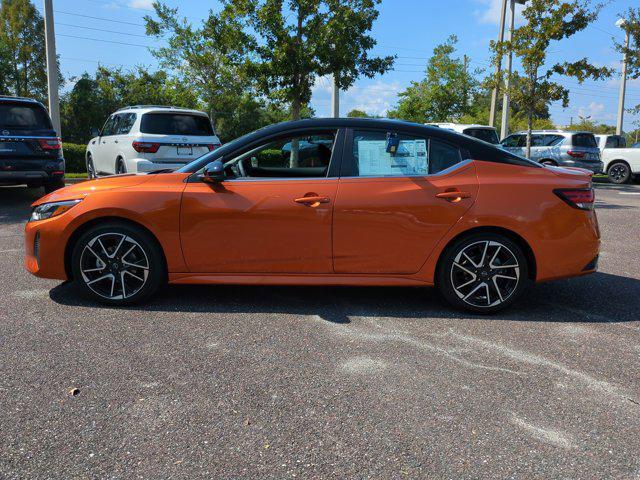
(355, 113)
(547, 21)
(300, 40)
(22, 50)
(446, 92)
(631, 26)
(212, 60)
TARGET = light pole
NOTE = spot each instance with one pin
(504, 128)
(623, 84)
(494, 92)
(52, 66)
(335, 97)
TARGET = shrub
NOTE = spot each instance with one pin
(74, 156)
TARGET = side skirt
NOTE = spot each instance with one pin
(285, 279)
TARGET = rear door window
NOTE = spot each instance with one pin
(125, 123)
(176, 124)
(18, 116)
(546, 140)
(414, 155)
(109, 127)
(586, 140)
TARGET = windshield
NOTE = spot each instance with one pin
(24, 117)
(488, 135)
(176, 124)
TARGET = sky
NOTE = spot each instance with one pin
(111, 33)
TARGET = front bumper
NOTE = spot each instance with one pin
(45, 239)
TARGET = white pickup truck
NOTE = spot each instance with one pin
(621, 164)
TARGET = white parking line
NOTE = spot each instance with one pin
(629, 193)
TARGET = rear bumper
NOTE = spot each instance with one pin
(26, 170)
(142, 166)
(595, 167)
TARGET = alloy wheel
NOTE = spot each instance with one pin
(485, 274)
(114, 266)
(619, 173)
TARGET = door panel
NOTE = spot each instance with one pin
(391, 225)
(258, 226)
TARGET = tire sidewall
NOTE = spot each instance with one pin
(627, 178)
(157, 267)
(443, 277)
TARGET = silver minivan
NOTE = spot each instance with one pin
(558, 148)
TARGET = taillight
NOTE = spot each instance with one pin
(145, 147)
(582, 199)
(213, 146)
(576, 154)
(50, 143)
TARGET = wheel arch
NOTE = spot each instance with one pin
(618, 160)
(81, 229)
(510, 234)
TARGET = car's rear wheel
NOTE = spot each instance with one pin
(482, 273)
(91, 171)
(118, 264)
(619, 172)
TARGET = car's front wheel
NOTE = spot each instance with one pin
(619, 172)
(118, 264)
(91, 170)
(482, 273)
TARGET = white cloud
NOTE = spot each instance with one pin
(593, 110)
(491, 10)
(375, 99)
(141, 4)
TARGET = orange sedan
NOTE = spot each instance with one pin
(325, 202)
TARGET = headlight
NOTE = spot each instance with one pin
(53, 209)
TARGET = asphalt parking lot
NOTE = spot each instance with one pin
(274, 382)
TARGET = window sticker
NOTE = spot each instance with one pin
(410, 158)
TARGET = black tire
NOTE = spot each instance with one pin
(120, 167)
(91, 170)
(455, 270)
(53, 185)
(144, 264)
(619, 173)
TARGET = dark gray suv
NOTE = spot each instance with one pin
(559, 148)
(30, 149)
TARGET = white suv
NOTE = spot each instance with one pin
(145, 138)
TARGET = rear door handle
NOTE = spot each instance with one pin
(453, 196)
(312, 201)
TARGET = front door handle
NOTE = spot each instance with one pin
(453, 196)
(312, 200)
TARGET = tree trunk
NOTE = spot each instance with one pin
(294, 157)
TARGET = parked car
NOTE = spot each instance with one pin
(30, 149)
(620, 163)
(398, 204)
(144, 138)
(481, 132)
(558, 148)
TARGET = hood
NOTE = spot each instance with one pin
(81, 189)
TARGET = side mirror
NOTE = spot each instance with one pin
(213, 173)
(94, 132)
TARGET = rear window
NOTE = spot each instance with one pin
(176, 124)
(24, 117)
(486, 134)
(584, 140)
